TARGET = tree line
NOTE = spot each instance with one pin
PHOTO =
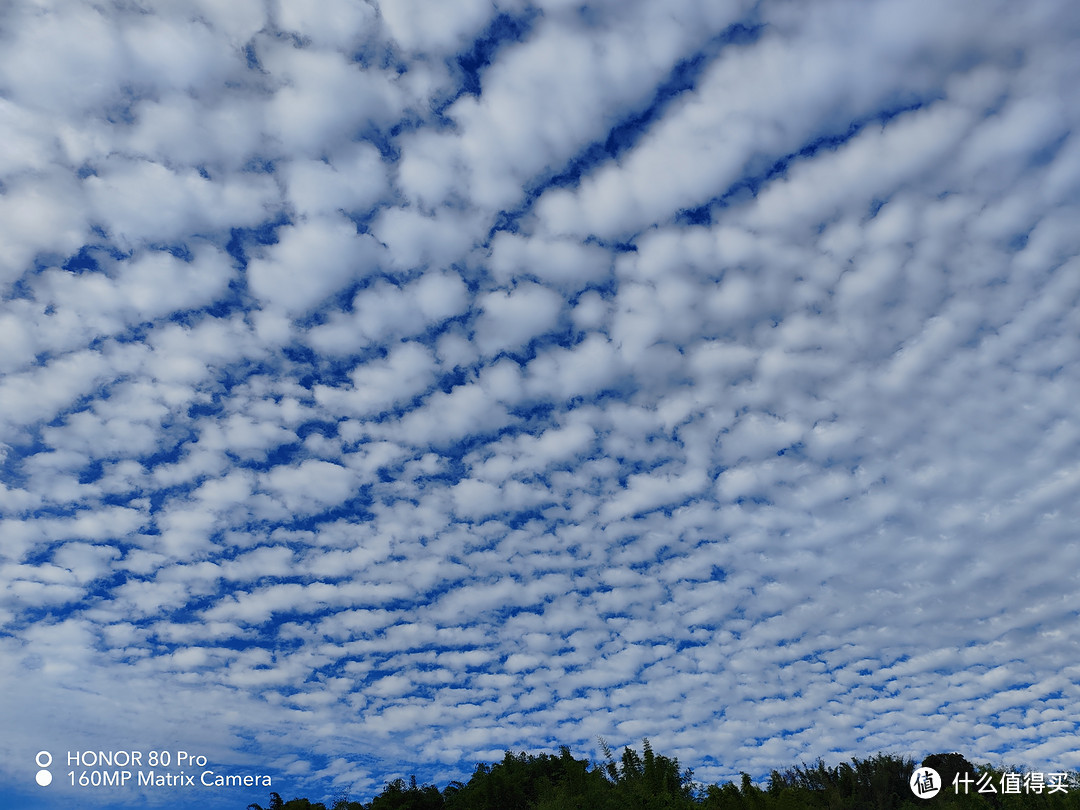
(652, 781)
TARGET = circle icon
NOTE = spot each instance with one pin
(47, 762)
(43, 777)
(925, 783)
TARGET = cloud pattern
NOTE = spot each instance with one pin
(388, 385)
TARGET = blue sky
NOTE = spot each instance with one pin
(388, 385)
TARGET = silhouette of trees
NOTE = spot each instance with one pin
(275, 804)
(399, 796)
(304, 804)
(648, 781)
(877, 783)
(293, 804)
(949, 767)
(652, 781)
(526, 781)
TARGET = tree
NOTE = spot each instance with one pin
(275, 803)
(304, 804)
(648, 780)
(950, 767)
(399, 796)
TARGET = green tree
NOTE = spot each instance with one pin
(399, 796)
(303, 804)
(951, 767)
(727, 797)
(652, 781)
(275, 803)
(648, 781)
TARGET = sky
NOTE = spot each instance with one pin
(384, 386)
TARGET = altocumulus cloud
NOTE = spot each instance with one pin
(389, 384)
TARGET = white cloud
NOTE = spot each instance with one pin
(339, 23)
(306, 115)
(355, 181)
(310, 486)
(414, 239)
(141, 202)
(310, 261)
(224, 134)
(384, 312)
(38, 217)
(511, 318)
(581, 371)
(564, 263)
(380, 385)
(431, 27)
(345, 417)
(449, 417)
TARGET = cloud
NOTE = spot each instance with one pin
(385, 312)
(510, 318)
(562, 263)
(310, 261)
(181, 202)
(310, 485)
(338, 25)
(355, 182)
(393, 385)
(379, 386)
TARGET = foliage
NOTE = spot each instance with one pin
(397, 796)
(652, 781)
